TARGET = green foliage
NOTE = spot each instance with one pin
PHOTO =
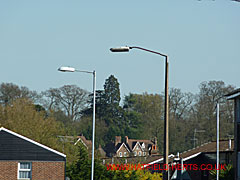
(224, 174)
(111, 119)
(148, 114)
(22, 117)
(140, 117)
(132, 171)
(81, 170)
(112, 91)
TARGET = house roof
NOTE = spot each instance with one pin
(132, 143)
(233, 94)
(156, 159)
(111, 147)
(102, 153)
(209, 147)
(11, 141)
(122, 144)
(137, 144)
(85, 142)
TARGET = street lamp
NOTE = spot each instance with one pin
(71, 69)
(217, 118)
(166, 115)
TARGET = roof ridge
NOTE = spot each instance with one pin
(196, 147)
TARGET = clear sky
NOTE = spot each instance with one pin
(201, 38)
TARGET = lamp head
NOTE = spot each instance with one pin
(121, 49)
(66, 69)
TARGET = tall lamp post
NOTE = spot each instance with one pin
(71, 69)
(166, 115)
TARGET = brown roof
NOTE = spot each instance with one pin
(102, 153)
(209, 147)
(153, 158)
(86, 142)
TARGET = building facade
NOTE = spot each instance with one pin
(131, 147)
(24, 159)
(235, 96)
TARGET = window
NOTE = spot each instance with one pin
(144, 153)
(139, 153)
(120, 154)
(135, 153)
(24, 170)
(125, 154)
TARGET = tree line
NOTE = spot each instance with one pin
(68, 111)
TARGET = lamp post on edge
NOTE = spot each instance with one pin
(217, 118)
(166, 112)
(71, 69)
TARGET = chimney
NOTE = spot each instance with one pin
(126, 139)
(117, 140)
(155, 141)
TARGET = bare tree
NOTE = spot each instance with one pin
(180, 103)
(204, 109)
(68, 98)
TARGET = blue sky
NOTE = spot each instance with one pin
(201, 38)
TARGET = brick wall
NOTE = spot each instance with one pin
(48, 170)
(8, 170)
(40, 170)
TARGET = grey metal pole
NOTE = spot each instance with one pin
(217, 141)
(166, 124)
(166, 113)
(181, 177)
(93, 126)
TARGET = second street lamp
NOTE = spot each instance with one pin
(71, 69)
(166, 114)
